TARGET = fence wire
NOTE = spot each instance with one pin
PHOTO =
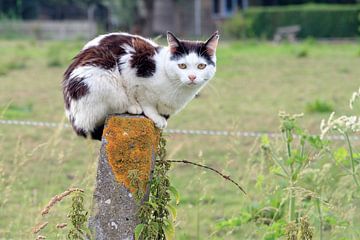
(250, 134)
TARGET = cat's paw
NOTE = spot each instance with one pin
(160, 122)
(135, 109)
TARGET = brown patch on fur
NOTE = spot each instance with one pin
(79, 131)
(74, 88)
(142, 59)
(94, 56)
(114, 42)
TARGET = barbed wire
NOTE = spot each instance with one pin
(250, 134)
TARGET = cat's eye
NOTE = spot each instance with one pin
(201, 66)
(182, 65)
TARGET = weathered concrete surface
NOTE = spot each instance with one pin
(129, 143)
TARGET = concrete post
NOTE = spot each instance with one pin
(129, 145)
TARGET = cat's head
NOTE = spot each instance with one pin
(192, 62)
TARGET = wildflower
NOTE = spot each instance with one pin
(353, 98)
(342, 124)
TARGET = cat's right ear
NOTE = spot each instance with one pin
(173, 42)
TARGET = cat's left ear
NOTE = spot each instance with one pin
(212, 43)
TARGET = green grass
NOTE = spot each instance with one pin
(254, 82)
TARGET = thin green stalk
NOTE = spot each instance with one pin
(353, 173)
(318, 207)
(291, 204)
(291, 192)
(273, 157)
(288, 147)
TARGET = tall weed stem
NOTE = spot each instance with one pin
(352, 160)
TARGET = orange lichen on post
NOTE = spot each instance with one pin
(131, 144)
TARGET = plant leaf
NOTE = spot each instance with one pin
(176, 194)
(169, 230)
(172, 211)
(138, 230)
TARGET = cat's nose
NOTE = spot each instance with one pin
(192, 77)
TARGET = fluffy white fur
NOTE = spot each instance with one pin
(165, 93)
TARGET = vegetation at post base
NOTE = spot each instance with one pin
(158, 214)
(78, 217)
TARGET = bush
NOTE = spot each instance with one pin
(238, 27)
(315, 20)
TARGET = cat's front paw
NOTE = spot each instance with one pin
(135, 109)
(160, 122)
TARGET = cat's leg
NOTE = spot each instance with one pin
(134, 107)
(151, 112)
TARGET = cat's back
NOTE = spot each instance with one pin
(93, 84)
(115, 51)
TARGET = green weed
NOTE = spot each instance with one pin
(154, 215)
(302, 53)
(78, 217)
(319, 106)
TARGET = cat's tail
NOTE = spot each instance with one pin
(96, 134)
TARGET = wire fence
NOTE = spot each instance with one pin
(245, 134)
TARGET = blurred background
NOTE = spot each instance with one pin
(66, 19)
(298, 56)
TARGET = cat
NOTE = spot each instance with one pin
(124, 73)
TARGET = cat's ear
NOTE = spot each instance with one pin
(173, 42)
(212, 43)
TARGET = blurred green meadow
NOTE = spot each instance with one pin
(254, 81)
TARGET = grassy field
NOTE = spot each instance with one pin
(254, 82)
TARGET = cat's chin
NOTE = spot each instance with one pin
(193, 85)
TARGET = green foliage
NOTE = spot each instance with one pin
(238, 27)
(345, 125)
(275, 230)
(299, 231)
(289, 164)
(319, 106)
(315, 20)
(78, 217)
(154, 214)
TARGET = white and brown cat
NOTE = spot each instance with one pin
(120, 72)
